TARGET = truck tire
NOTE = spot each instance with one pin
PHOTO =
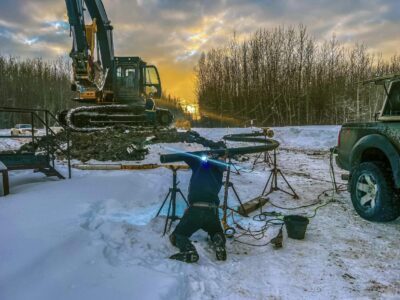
(373, 194)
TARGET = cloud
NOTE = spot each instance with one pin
(173, 33)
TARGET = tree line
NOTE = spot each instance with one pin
(33, 83)
(284, 76)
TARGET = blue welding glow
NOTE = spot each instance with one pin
(200, 157)
(214, 161)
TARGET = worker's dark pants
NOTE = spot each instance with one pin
(196, 218)
(151, 116)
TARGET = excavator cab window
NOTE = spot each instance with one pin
(119, 72)
(152, 82)
(127, 82)
(127, 77)
(130, 76)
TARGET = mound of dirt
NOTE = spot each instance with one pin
(115, 144)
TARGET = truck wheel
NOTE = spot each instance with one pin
(373, 194)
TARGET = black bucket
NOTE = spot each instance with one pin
(296, 226)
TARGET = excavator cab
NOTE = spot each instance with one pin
(134, 81)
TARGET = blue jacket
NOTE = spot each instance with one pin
(206, 180)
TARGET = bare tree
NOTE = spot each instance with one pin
(34, 83)
(283, 76)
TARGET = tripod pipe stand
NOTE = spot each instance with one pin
(229, 231)
(273, 178)
(263, 157)
(173, 191)
(266, 156)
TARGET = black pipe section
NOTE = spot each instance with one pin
(251, 137)
(269, 145)
(248, 139)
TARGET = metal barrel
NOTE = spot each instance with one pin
(229, 152)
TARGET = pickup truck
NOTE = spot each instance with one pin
(22, 129)
(370, 151)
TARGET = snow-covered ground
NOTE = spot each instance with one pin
(95, 236)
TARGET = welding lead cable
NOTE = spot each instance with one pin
(259, 234)
(270, 144)
(255, 234)
(262, 217)
(335, 189)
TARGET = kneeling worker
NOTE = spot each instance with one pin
(204, 187)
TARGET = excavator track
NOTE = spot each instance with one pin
(95, 118)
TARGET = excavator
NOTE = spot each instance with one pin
(114, 90)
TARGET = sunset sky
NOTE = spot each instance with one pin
(172, 34)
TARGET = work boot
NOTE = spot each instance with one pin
(218, 241)
(172, 239)
(187, 256)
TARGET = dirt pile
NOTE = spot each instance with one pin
(115, 144)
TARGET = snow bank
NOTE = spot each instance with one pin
(307, 137)
(12, 144)
(82, 239)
